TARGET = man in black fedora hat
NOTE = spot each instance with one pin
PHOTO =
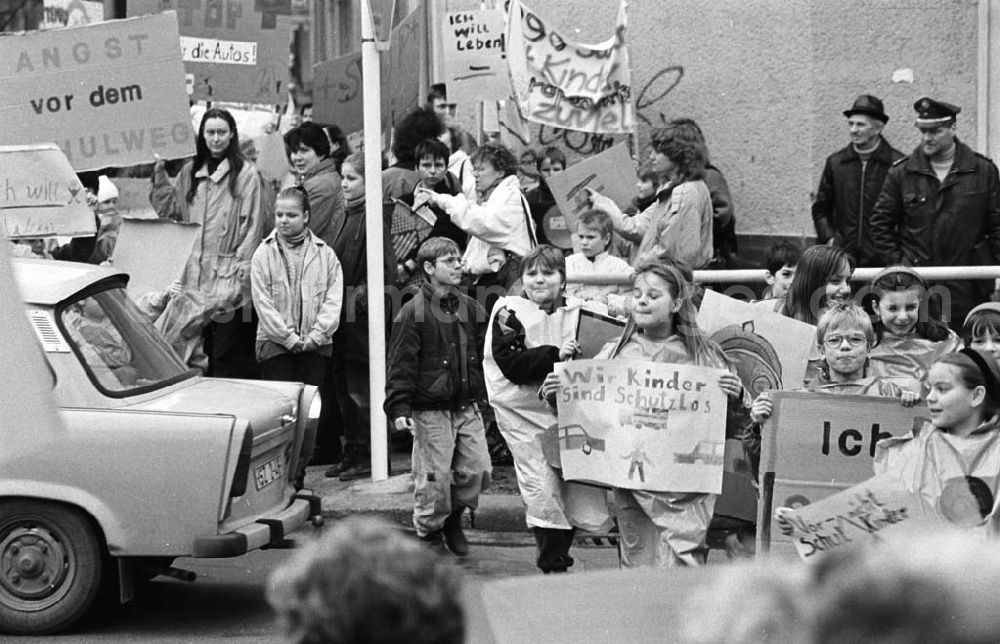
(851, 181)
(940, 206)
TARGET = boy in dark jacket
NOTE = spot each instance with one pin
(434, 377)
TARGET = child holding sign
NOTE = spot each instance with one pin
(909, 337)
(665, 529)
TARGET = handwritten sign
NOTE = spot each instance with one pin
(878, 509)
(817, 444)
(40, 195)
(108, 94)
(153, 252)
(475, 62)
(70, 13)
(610, 173)
(337, 83)
(565, 84)
(642, 425)
(770, 351)
(235, 50)
(133, 198)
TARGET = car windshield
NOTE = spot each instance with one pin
(121, 349)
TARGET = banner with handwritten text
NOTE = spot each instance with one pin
(475, 63)
(57, 14)
(878, 509)
(642, 425)
(235, 50)
(40, 195)
(108, 94)
(566, 84)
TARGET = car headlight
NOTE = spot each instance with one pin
(315, 407)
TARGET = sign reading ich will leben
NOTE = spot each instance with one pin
(108, 94)
(40, 195)
(235, 50)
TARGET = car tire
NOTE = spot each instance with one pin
(52, 567)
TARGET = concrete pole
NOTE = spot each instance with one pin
(373, 231)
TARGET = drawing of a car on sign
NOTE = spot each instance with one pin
(655, 419)
(576, 436)
(704, 453)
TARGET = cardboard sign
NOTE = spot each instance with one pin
(153, 252)
(338, 83)
(133, 199)
(817, 444)
(70, 13)
(594, 330)
(235, 50)
(40, 195)
(642, 425)
(108, 94)
(272, 161)
(770, 351)
(565, 84)
(475, 63)
(878, 509)
(610, 173)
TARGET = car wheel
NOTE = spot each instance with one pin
(51, 567)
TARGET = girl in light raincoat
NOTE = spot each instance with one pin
(909, 336)
(526, 337)
(667, 528)
(953, 460)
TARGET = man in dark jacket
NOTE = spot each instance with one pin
(434, 378)
(940, 206)
(852, 180)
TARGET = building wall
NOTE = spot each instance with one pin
(768, 79)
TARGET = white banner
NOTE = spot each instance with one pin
(210, 50)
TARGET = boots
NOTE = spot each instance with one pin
(553, 549)
(454, 537)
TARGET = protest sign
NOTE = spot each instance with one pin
(594, 330)
(133, 198)
(235, 50)
(610, 173)
(108, 94)
(769, 350)
(40, 195)
(475, 63)
(337, 83)
(70, 13)
(817, 444)
(565, 84)
(878, 509)
(641, 425)
(153, 252)
(272, 161)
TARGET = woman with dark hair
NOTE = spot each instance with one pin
(221, 191)
(821, 278)
(311, 153)
(679, 223)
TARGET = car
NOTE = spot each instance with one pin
(152, 461)
(704, 453)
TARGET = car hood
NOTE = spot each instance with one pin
(260, 404)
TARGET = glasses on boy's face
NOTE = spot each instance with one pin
(834, 341)
(450, 261)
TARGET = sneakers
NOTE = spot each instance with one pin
(454, 536)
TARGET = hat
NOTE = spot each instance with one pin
(985, 306)
(105, 189)
(931, 113)
(868, 105)
(988, 367)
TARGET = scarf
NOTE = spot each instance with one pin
(353, 205)
(295, 240)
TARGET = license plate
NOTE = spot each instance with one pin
(267, 473)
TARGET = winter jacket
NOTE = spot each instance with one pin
(219, 264)
(921, 221)
(350, 247)
(503, 221)
(432, 337)
(326, 199)
(846, 196)
(866, 386)
(321, 292)
(679, 223)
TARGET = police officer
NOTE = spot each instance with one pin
(940, 206)
(852, 180)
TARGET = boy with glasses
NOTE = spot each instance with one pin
(845, 336)
(434, 378)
